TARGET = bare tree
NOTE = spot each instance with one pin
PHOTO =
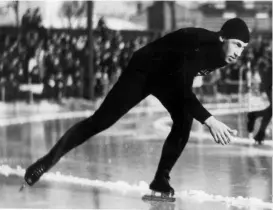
(73, 9)
(14, 6)
(172, 5)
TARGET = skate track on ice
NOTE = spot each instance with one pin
(141, 188)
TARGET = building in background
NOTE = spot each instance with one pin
(210, 14)
(257, 14)
(161, 15)
(116, 14)
(151, 15)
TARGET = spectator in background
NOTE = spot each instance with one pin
(26, 19)
(113, 64)
(265, 69)
(103, 29)
(109, 56)
(36, 17)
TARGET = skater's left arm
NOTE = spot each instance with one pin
(193, 105)
(219, 131)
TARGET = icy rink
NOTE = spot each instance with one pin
(113, 170)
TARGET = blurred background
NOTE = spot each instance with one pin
(46, 52)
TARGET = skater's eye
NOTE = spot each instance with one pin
(239, 45)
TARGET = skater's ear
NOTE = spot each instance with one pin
(221, 38)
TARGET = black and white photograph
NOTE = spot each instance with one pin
(152, 105)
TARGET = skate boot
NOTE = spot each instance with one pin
(36, 170)
(250, 122)
(161, 185)
(259, 137)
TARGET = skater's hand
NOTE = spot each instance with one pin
(220, 132)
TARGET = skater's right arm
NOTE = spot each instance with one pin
(219, 131)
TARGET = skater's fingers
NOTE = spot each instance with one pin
(220, 140)
(235, 132)
(225, 139)
(228, 136)
(215, 138)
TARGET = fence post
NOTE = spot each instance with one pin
(30, 94)
(3, 92)
(91, 50)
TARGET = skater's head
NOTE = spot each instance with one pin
(234, 36)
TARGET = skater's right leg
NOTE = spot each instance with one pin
(172, 150)
(266, 115)
(129, 90)
(176, 140)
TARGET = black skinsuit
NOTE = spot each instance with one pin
(164, 68)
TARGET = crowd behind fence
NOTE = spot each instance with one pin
(58, 62)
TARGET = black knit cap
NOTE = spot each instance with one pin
(235, 28)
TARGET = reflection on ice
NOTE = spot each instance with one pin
(113, 169)
(124, 188)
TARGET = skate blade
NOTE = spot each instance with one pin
(23, 186)
(158, 198)
(258, 143)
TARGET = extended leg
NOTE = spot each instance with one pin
(128, 91)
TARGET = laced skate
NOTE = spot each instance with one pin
(161, 186)
(34, 172)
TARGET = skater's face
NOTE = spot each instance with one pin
(232, 49)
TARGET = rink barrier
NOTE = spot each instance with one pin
(141, 188)
(44, 117)
(162, 125)
(219, 109)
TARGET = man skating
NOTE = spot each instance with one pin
(265, 114)
(164, 68)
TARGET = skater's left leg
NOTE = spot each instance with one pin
(176, 140)
(172, 149)
(174, 144)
